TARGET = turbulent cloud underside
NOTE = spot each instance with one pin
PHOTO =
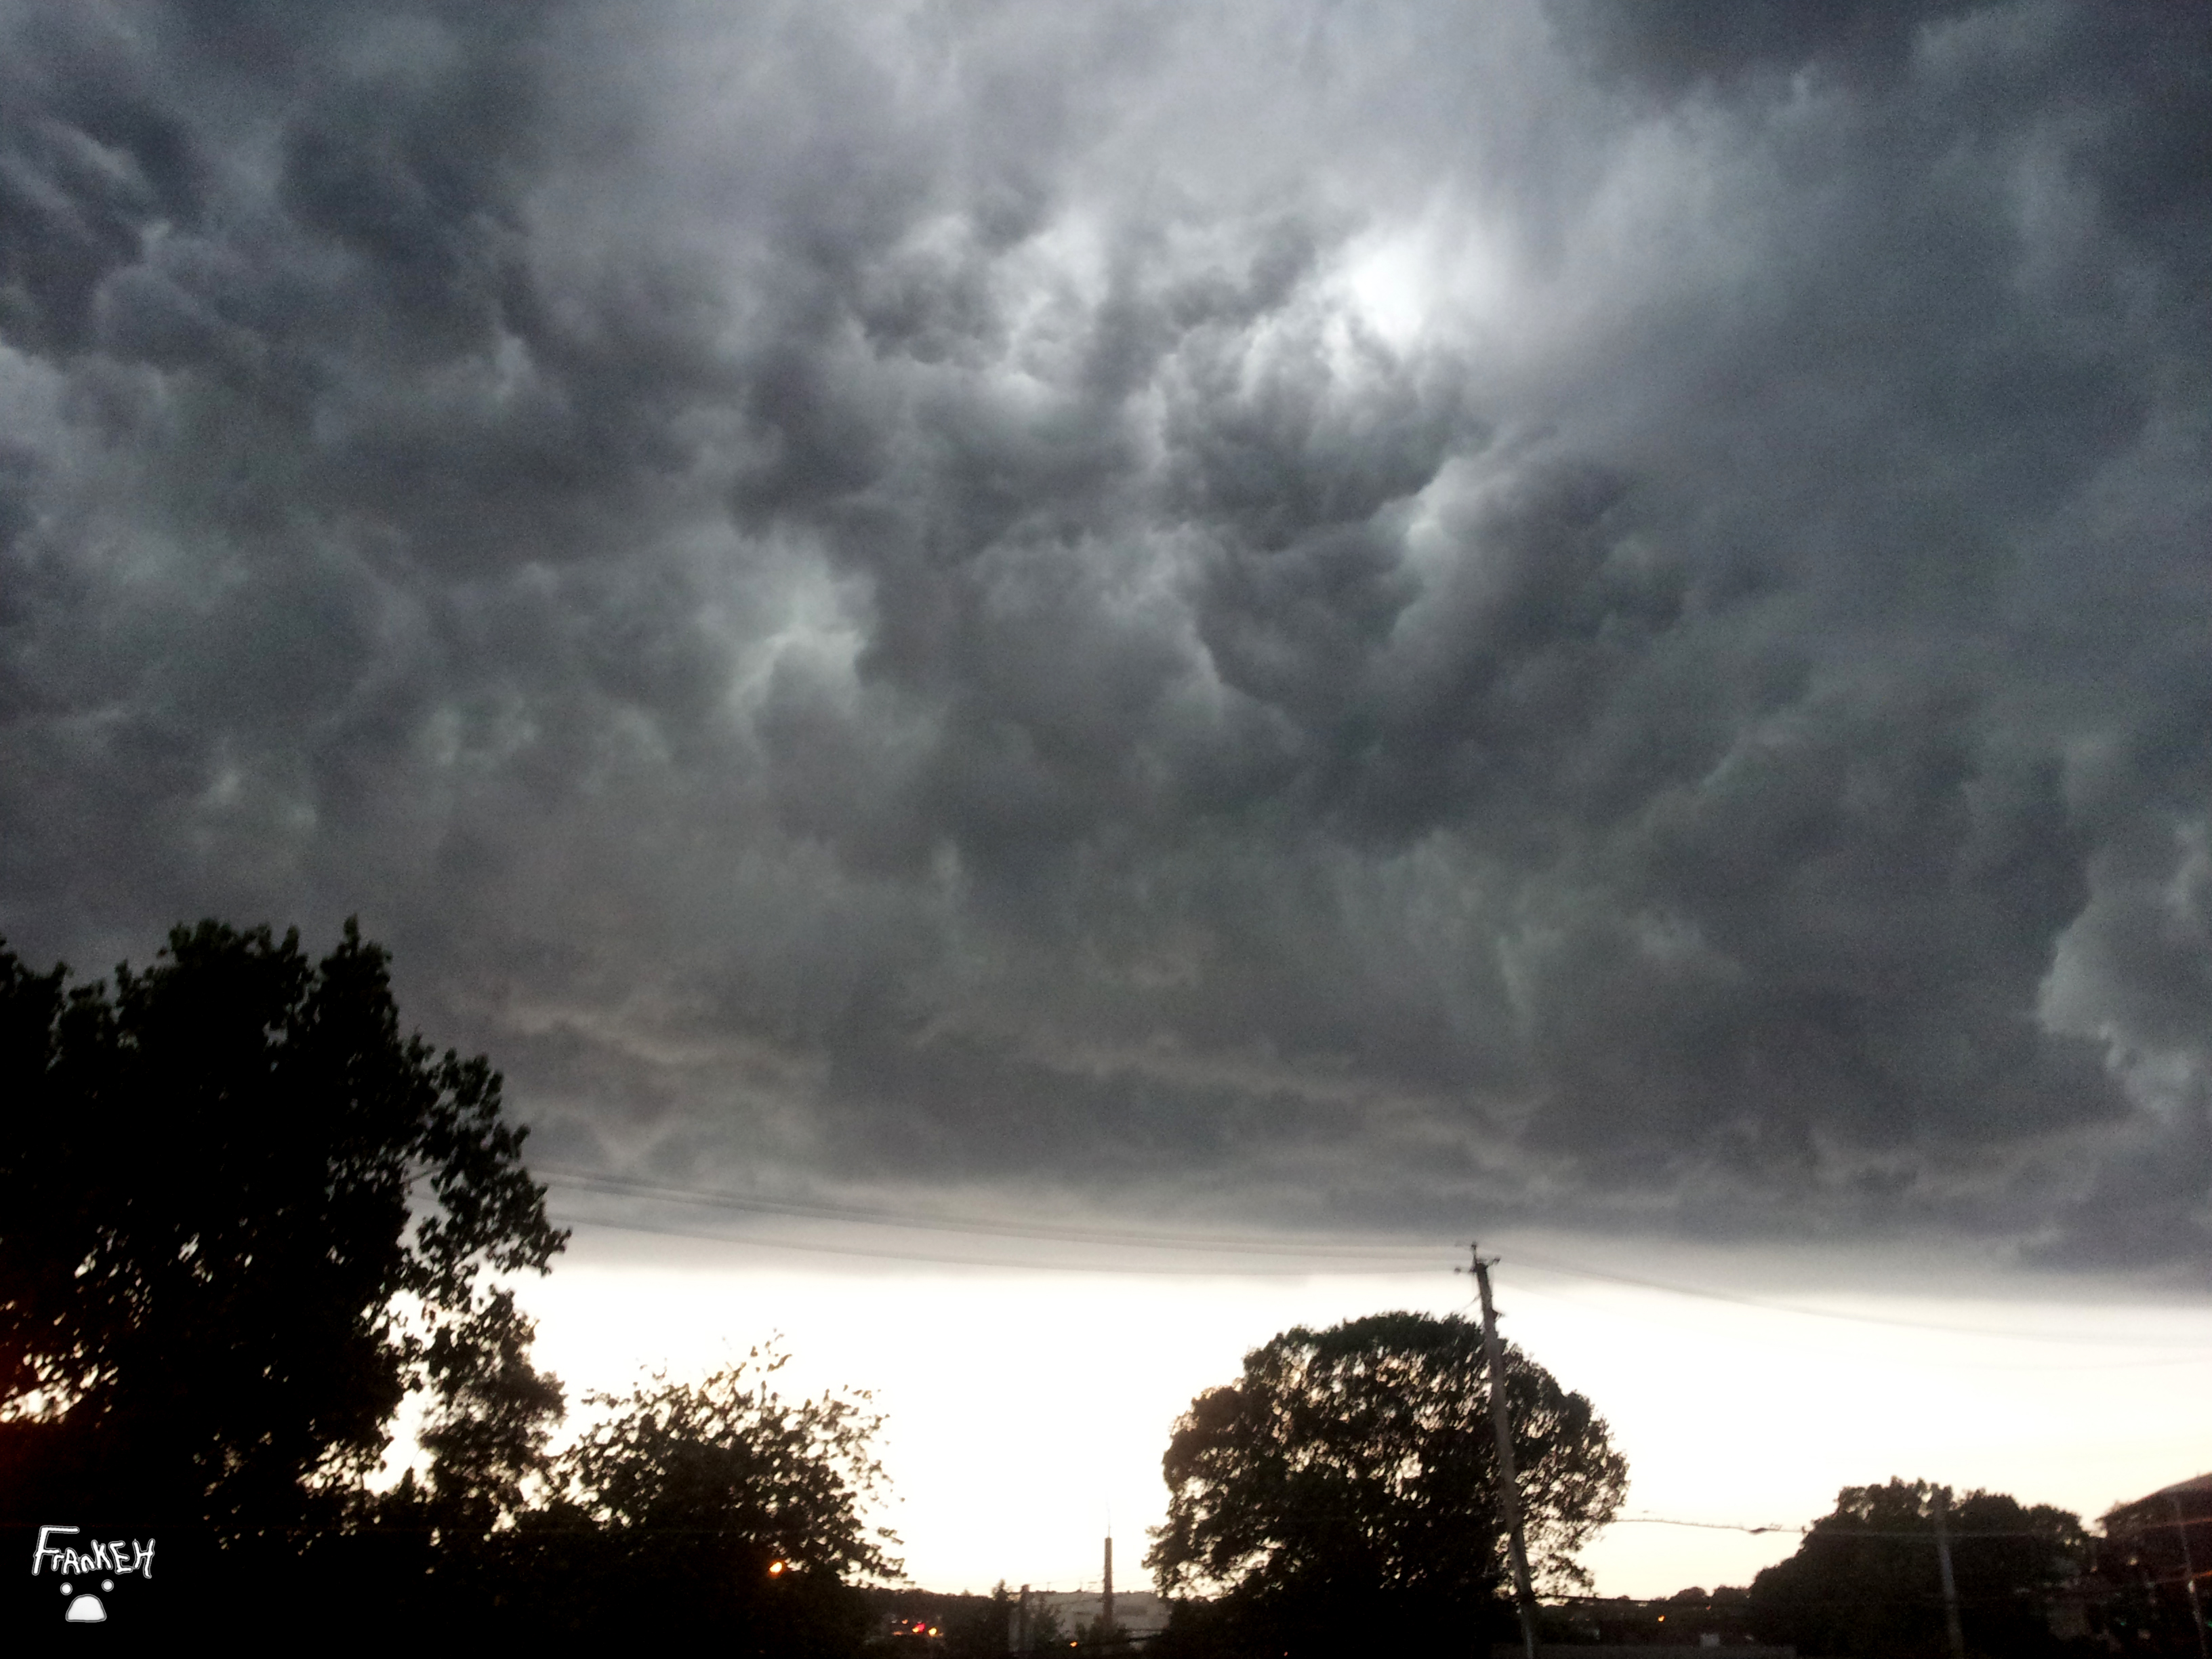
(1322, 613)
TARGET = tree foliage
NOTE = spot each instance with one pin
(713, 1509)
(1866, 1581)
(1048, 1631)
(242, 1216)
(490, 1417)
(1355, 1466)
(730, 1460)
(981, 1626)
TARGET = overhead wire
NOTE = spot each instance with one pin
(929, 1221)
(1709, 1526)
(1210, 1270)
(2203, 1356)
(1349, 1257)
(1811, 1529)
(1522, 1259)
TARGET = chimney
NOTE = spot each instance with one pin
(1106, 1611)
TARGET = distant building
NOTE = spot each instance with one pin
(1140, 1613)
(2182, 1511)
(2156, 1563)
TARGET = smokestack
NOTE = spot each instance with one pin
(1106, 1612)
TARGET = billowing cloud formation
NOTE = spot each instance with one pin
(1592, 611)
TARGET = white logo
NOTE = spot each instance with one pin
(110, 1557)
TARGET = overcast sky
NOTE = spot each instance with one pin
(1387, 619)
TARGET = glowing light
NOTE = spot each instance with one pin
(776, 1567)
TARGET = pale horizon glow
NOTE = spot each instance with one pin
(1025, 1406)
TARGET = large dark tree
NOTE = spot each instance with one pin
(1343, 1490)
(774, 1480)
(242, 1216)
(1867, 1581)
(718, 1510)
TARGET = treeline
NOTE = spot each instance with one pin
(243, 1220)
(2025, 1579)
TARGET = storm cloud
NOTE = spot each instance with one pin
(1316, 613)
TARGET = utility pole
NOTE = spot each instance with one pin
(1508, 1477)
(1950, 1630)
(2189, 1572)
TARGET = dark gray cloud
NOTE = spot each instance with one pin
(1594, 613)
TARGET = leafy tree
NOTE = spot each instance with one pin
(1866, 1581)
(1096, 1636)
(717, 1507)
(1347, 1484)
(1047, 1629)
(730, 1458)
(490, 1417)
(242, 1216)
(981, 1626)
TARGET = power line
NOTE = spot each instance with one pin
(1521, 1258)
(1376, 1257)
(1210, 1270)
(924, 1221)
(2020, 1364)
(1813, 1530)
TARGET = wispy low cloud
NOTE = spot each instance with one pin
(1592, 613)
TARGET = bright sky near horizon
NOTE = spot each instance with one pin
(1024, 1405)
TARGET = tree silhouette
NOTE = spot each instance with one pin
(1866, 1579)
(728, 1458)
(492, 1413)
(981, 1626)
(242, 1216)
(1048, 1631)
(1347, 1485)
(714, 1508)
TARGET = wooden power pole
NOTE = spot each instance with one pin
(1953, 1633)
(2188, 1574)
(1508, 1477)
